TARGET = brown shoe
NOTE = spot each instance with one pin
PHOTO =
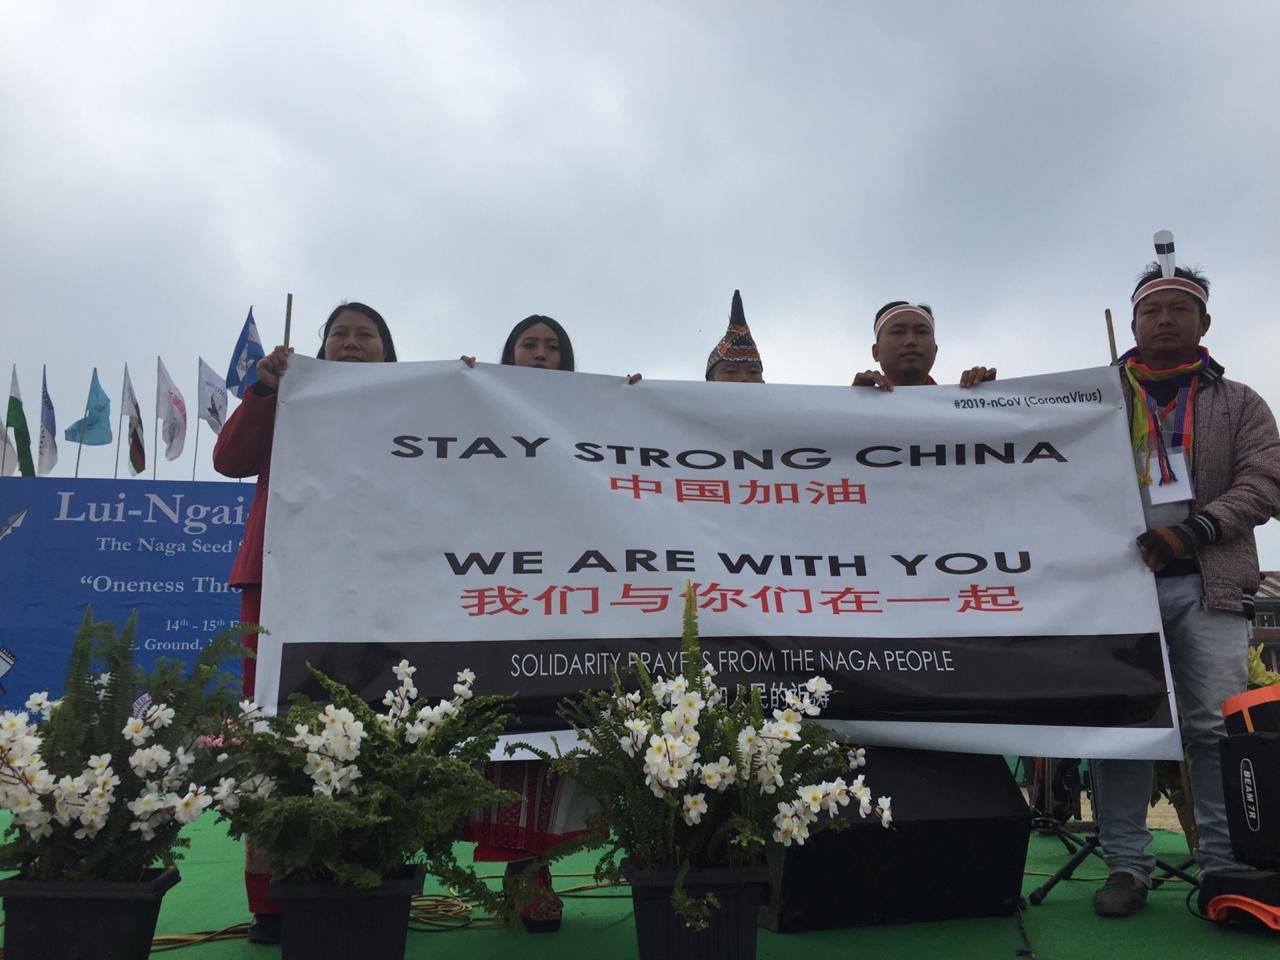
(1121, 896)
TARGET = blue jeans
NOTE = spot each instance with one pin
(1208, 657)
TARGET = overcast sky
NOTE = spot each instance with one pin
(623, 168)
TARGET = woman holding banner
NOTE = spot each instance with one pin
(354, 333)
(551, 808)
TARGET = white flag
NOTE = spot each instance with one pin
(8, 455)
(129, 401)
(129, 408)
(171, 409)
(48, 457)
(213, 397)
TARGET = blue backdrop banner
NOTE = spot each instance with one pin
(162, 548)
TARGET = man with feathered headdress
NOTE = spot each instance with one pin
(1207, 458)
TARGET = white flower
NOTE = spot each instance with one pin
(801, 833)
(39, 703)
(691, 702)
(99, 762)
(728, 773)
(784, 823)
(336, 716)
(839, 794)
(769, 776)
(38, 825)
(466, 676)
(225, 795)
(781, 730)
(258, 788)
(145, 805)
(857, 758)
(637, 730)
(160, 716)
(812, 796)
(403, 671)
(818, 686)
(136, 730)
(12, 724)
(150, 759)
(40, 780)
(862, 793)
(886, 816)
(693, 808)
(248, 709)
(463, 691)
(190, 806)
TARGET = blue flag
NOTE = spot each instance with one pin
(94, 428)
(244, 359)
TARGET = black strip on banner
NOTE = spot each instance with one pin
(1115, 680)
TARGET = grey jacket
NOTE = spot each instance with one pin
(1236, 474)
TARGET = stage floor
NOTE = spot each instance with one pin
(598, 925)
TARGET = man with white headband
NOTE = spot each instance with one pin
(1207, 459)
(905, 348)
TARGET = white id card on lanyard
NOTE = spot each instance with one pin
(1175, 491)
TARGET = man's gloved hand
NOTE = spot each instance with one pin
(1159, 545)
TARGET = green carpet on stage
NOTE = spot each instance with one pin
(596, 926)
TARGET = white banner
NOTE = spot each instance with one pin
(959, 563)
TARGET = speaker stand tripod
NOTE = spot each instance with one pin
(1079, 850)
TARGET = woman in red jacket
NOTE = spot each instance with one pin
(354, 333)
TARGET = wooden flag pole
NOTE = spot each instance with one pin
(1111, 336)
(288, 317)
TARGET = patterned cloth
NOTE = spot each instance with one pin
(551, 809)
(1165, 417)
(737, 345)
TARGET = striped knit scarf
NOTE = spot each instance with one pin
(1146, 430)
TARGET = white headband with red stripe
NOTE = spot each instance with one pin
(898, 311)
(1168, 279)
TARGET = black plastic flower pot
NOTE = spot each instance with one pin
(83, 919)
(730, 934)
(321, 920)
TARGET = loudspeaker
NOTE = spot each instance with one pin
(957, 849)
(1254, 711)
(1251, 788)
